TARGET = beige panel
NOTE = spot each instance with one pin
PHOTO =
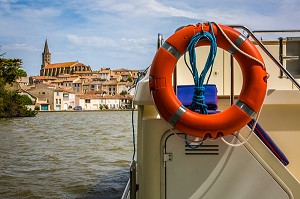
(238, 79)
(150, 130)
(221, 72)
(282, 124)
(274, 82)
(184, 76)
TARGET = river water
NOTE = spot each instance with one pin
(65, 155)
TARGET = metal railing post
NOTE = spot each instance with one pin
(284, 71)
(280, 55)
(231, 80)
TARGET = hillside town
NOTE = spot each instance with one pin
(75, 86)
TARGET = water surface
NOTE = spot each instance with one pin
(65, 155)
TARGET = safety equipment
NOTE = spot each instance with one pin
(228, 121)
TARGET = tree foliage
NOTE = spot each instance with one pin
(10, 70)
(124, 93)
(26, 100)
(22, 73)
(12, 104)
(129, 79)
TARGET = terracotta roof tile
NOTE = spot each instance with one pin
(60, 65)
(121, 70)
(110, 83)
(44, 77)
(69, 79)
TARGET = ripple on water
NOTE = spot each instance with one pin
(65, 155)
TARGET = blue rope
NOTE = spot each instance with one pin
(198, 101)
(133, 134)
(132, 114)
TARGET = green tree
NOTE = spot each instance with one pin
(9, 70)
(123, 93)
(12, 104)
(26, 100)
(129, 79)
(22, 73)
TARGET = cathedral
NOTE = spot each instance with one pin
(56, 69)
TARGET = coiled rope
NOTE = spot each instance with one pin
(198, 101)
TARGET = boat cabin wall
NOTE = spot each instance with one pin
(279, 117)
(221, 73)
(150, 131)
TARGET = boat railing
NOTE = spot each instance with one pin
(131, 186)
(126, 190)
(278, 64)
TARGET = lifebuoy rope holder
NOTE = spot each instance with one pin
(215, 125)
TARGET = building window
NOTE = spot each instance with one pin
(87, 101)
(57, 93)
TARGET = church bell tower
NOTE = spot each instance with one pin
(46, 56)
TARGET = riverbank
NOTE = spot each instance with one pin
(107, 110)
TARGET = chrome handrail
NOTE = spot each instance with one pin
(275, 31)
(160, 40)
(280, 66)
(126, 190)
(131, 186)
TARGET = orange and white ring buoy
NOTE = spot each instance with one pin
(215, 125)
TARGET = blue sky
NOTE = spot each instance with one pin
(123, 33)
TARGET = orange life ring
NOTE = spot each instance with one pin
(215, 125)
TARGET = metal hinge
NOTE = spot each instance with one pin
(167, 157)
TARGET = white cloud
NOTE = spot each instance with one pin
(37, 14)
(143, 41)
(133, 8)
(92, 41)
(158, 8)
(11, 8)
(19, 47)
(94, 30)
(120, 44)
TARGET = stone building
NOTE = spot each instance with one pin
(44, 95)
(56, 69)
